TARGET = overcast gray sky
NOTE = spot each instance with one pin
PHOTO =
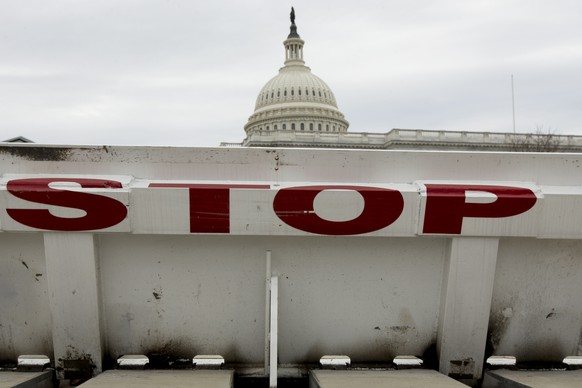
(177, 72)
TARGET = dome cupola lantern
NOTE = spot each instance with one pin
(295, 99)
(293, 45)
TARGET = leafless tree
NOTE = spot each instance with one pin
(541, 140)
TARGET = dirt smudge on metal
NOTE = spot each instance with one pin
(157, 292)
(56, 154)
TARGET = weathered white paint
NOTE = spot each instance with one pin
(163, 211)
(407, 361)
(132, 360)
(25, 324)
(573, 360)
(356, 296)
(268, 274)
(210, 360)
(561, 212)
(71, 264)
(33, 360)
(369, 297)
(465, 305)
(501, 361)
(292, 165)
(335, 361)
(536, 310)
(274, 332)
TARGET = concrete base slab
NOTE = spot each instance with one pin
(532, 379)
(162, 378)
(410, 378)
(26, 379)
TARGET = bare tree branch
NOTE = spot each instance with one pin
(542, 140)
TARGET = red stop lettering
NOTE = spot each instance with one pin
(446, 205)
(294, 206)
(209, 205)
(102, 212)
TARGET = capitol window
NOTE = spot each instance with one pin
(284, 126)
(319, 127)
(311, 126)
(302, 126)
(293, 126)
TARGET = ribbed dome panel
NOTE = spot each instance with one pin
(295, 84)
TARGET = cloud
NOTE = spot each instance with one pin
(187, 73)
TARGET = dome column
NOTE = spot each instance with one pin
(294, 51)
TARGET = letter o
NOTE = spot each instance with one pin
(294, 206)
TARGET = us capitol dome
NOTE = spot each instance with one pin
(297, 109)
(296, 99)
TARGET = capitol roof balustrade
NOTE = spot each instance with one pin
(418, 139)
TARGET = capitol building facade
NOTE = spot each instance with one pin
(296, 108)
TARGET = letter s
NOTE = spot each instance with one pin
(102, 212)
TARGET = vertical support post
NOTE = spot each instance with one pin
(73, 290)
(465, 306)
(274, 333)
(267, 310)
